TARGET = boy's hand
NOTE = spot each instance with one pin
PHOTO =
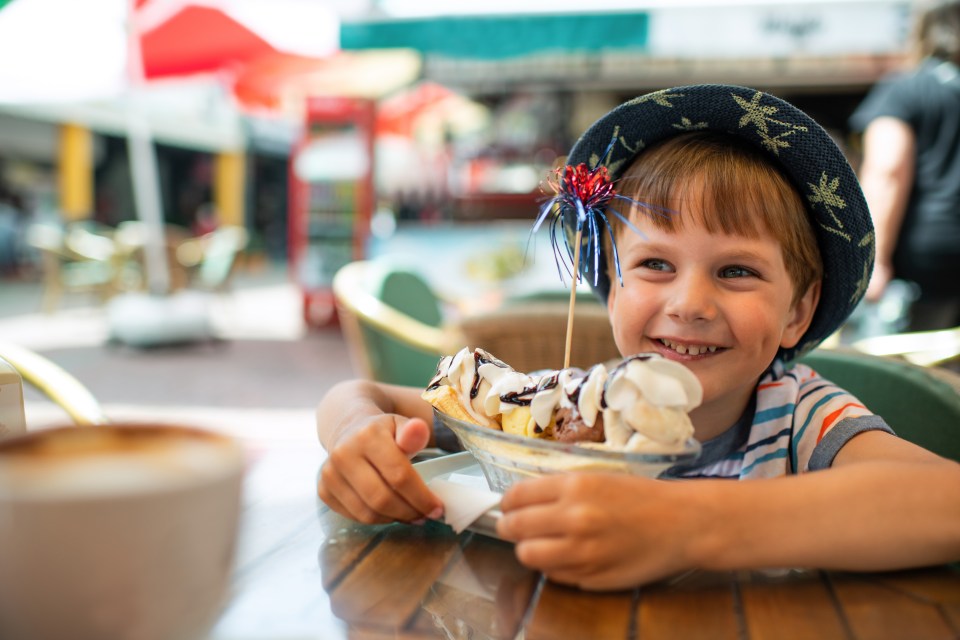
(368, 475)
(599, 531)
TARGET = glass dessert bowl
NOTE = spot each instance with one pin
(506, 458)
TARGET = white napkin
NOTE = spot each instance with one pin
(462, 503)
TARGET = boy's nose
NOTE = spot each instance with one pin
(691, 300)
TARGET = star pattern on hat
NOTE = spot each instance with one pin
(662, 98)
(688, 125)
(825, 194)
(761, 117)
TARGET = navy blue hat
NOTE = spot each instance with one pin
(790, 138)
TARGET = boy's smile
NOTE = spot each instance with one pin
(720, 304)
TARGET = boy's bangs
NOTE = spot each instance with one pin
(705, 186)
(699, 199)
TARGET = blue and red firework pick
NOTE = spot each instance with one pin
(580, 209)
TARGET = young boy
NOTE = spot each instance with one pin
(767, 250)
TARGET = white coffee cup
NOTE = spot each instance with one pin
(119, 531)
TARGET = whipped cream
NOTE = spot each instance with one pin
(646, 400)
(461, 371)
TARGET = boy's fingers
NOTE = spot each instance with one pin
(395, 469)
(363, 482)
(530, 492)
(380, 494)
(336, 492)
(531, 522)
(408, 486)
(374, 480)
(412, 436)
(387, 486)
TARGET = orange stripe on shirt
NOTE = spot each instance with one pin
(779, 383)
(770, 385)
(830, 419)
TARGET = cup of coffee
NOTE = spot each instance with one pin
(117, 531)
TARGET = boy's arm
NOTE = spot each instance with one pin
(884, 504)
(369, 431)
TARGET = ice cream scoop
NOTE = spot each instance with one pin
(645, 403)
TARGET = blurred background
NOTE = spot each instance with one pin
(181, 180)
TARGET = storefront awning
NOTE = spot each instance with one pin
(655, 43)
(497, 37)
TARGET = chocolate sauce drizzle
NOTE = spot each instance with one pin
(443, 367)
(520, 398)
(482, 357)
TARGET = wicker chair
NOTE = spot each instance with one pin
(532, 336)
(396, 331)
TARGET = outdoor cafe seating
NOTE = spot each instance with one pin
(88, 258)
(74, 259)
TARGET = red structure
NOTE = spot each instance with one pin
(331, 198)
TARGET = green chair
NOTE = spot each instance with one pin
(392, 320)
(921, 404)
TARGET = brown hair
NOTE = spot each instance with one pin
(936, 32)
(742, 193)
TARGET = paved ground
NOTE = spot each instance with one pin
(263, 376)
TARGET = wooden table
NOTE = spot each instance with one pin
(305, 572)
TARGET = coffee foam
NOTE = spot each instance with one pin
(89, 462)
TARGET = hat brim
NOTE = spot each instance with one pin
(789, 137)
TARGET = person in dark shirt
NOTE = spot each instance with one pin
(910, 173)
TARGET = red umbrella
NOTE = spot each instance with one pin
(270, 53)
(181, 37)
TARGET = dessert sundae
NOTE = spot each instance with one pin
(639, 405)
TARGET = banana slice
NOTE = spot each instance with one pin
(520, 422)
(446, 399)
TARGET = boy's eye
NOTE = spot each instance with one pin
(655, 264)
(736, 271)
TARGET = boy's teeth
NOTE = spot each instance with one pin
(688, 349)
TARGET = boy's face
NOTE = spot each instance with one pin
(720, 304)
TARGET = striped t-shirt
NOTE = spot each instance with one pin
(796, 422)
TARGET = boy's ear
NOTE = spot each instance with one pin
(800, 317)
